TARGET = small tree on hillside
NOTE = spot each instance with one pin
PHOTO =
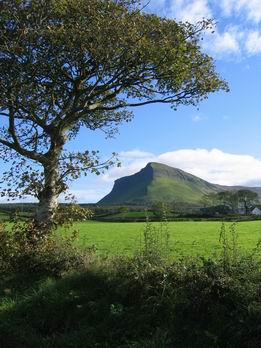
(228, 198)
(224, 197)
(67, 64)
(210, 199)
(247, 198)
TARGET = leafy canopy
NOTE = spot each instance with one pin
(65, 64)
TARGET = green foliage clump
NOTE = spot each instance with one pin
(66, 215)
(155, 244)
(25, 249)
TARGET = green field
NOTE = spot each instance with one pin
(187, 238)
(3, 216)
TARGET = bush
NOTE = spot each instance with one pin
(23, 249)
(28, 249)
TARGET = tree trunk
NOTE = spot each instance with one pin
(48, 197)
(46, 208)
(246, 207)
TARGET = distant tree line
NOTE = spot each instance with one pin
(235, 202)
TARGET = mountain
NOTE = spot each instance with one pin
(159, 182)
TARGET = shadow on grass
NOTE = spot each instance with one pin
(184, 307)
(80, 311)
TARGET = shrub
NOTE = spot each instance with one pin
(24, 249)
(66, 215)
(27, 249)
(155, 246)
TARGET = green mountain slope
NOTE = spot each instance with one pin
(159, 182)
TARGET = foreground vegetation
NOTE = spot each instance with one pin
(132, 303)
(53, 294)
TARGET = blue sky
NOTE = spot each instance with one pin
(220, 142)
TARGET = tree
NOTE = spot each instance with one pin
(224, 197)
(67, 64)
(247, 198)
(210, 199)
(229, 198)
(217, 210)
(233, 199)
(161, 209)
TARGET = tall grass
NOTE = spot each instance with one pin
(155, 246)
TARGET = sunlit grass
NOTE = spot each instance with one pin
(188, 238)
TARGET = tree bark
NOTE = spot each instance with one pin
(48, 197)
(46, 209)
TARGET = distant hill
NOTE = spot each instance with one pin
(159, 182)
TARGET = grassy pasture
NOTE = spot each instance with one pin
(186, 238)
(134, 214)
(3, 216)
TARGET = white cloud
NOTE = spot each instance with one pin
(226, 43)
(182, 10)
(227, 6)
(198, 118)
(253, 42)
(235, 41)
(92, 194)
(135, 154)
(250, 8)
(212, 165)
(190, 10)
